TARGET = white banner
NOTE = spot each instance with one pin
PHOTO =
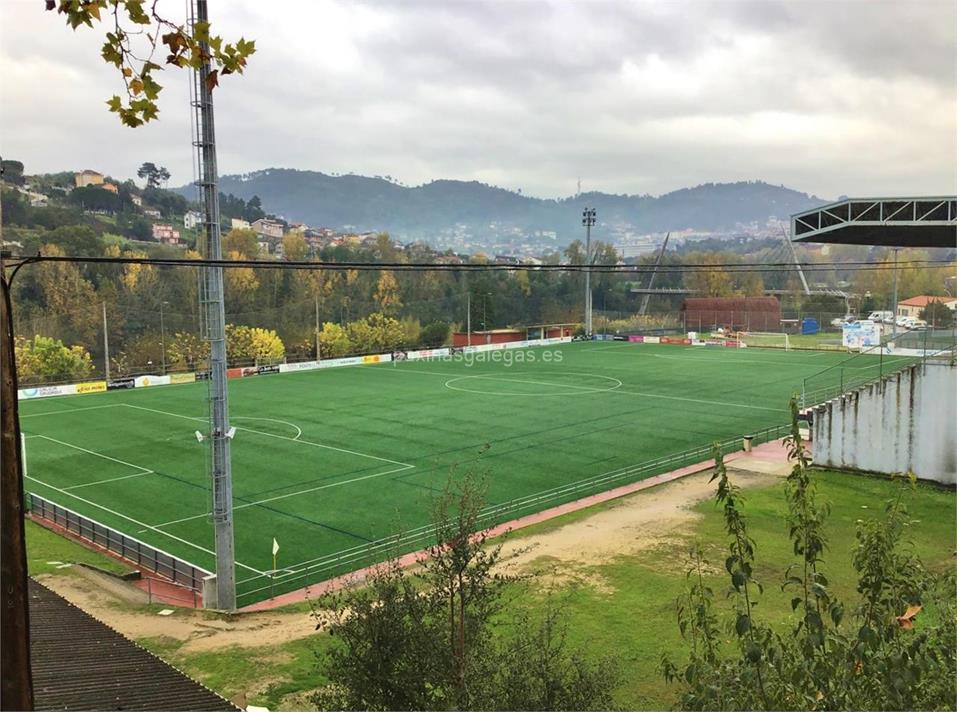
(652, 340)
(861, 334)
(147, 381)
(46, 391)
(301, 366)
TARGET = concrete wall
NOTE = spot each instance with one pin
(906, 422)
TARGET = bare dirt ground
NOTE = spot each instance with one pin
(632, 524)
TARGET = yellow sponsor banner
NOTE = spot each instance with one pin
(370, 359)
(182, 377)
(93, 387)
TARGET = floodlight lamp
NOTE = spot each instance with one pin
(231, 433)
(199, 436)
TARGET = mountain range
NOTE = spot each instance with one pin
(375, 203)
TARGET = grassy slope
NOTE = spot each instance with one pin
(638, 620)
(671, 399)
(635, 621)
(45, 546)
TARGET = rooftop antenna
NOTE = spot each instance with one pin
(211, 297)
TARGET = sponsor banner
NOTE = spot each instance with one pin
(636, 339)
(272, 368)
(234, 373)
(652, 339)
(861, 334)
(46, 391)
(698, 342)
(733, 344)
(202, 375)
(301, 366)
(182, 378)
(375, 358)
(121, 383)
(147, 381)
(347, 361)
(92, 387)
(616, 337)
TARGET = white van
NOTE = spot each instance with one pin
(885, 317)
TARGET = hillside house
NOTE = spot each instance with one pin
(915, 305)
(267, 228)
(88, 177)
(192, 220)
(166, 234)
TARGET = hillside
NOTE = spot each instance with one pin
(378, 204)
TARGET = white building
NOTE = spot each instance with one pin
(192, 219)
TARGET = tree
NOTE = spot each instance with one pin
(12, 172)
(153, 175)
(294, 247)
(187, 352)
(434, 334)
(387, 293)
(133, 41)
(333, 341)
(243, 242)
(43, 359)
(437, 639)
(886, 660)
(244, 343)
(937, 315)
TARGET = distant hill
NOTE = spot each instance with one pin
(367, 203)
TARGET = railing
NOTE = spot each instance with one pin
(845, 378)
(325, 567)
(133, 550)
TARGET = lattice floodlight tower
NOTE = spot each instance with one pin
(214, 313)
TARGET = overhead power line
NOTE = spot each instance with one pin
(21, 260)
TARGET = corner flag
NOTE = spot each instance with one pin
(275, 546)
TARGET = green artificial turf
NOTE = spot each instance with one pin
(330, 462)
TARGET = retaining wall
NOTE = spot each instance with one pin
(906, 422)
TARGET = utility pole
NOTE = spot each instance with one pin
(106, 346)
(468, 317)
(163, 336)
(588, 219)
(894, 323)
(318, 356)
(221, 480)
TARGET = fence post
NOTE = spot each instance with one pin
(149, 590)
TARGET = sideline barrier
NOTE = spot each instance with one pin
(254, 589)
(126, 547)
(246, 371)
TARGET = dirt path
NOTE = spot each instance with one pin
(636, 523)
(632, 524)
(200, 631)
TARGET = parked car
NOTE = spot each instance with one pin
(889, 319)
(842, 320)
(902, 320)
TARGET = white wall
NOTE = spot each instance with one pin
(906, 422)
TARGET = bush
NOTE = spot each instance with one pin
(434, 335)
(43, 359)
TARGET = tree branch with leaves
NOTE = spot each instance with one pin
(135, 38)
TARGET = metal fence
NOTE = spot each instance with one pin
(342, 562)
(133, 550)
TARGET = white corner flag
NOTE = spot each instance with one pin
(275, 546)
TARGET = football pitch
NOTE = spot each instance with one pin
(334, 463)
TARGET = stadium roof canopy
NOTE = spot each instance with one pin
(886, 222)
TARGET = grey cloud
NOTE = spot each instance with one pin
(633, 96)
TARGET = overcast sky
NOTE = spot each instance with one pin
(832, 98)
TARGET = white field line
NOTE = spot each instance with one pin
(98, 454)
(296, 494)
(112, 479)
(728, 404)
(405, 465)
(137, 522)
(271, 420)
(71, 410)
(587, 389)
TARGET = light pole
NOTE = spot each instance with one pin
(894, 326)
(588, 219)
(485, 296)
(468, 318)
(163, 336)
